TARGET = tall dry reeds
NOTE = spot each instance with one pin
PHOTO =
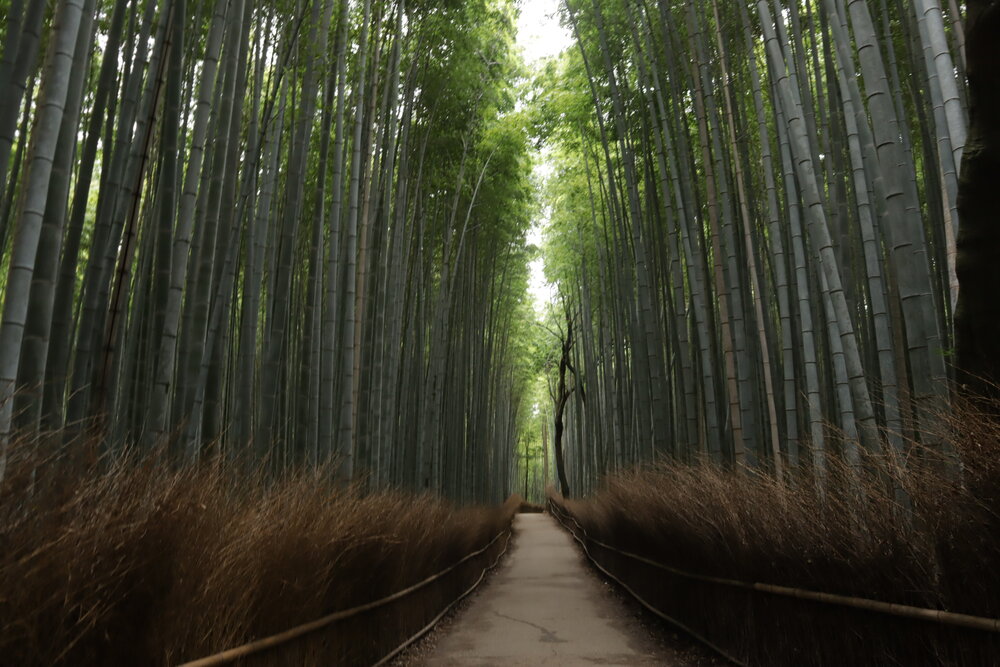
(133, 563)
(914, 530)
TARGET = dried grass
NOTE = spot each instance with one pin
(139, 564)
(937, 545)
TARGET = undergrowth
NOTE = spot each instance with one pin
(915, 530)
(133, 563)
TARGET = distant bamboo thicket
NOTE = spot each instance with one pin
(266, 230)
(754, 227)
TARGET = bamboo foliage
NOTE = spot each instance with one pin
(282, 232)
(238, 225)
(776, 179)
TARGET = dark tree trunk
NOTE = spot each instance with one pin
(562, 397)
(560, 466)
(977, 318)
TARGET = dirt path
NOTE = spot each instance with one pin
(545, 607)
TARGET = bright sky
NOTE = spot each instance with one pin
(539, 35)
(538, 31)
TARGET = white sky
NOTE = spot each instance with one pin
(538, 31)
(540, 36)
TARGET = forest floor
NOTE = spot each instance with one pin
(544, 606)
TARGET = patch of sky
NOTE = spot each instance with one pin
(540, 36)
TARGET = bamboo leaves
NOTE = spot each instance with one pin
(259, 278)
(793, 263)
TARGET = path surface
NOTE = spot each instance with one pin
(544, 607)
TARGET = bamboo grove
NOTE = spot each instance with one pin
(753, 231)
(273, 231)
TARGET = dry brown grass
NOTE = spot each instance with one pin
(142, 565)
(856, 539)
(530, 508)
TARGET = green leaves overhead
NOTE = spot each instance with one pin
(308, 240)
(752, 217)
